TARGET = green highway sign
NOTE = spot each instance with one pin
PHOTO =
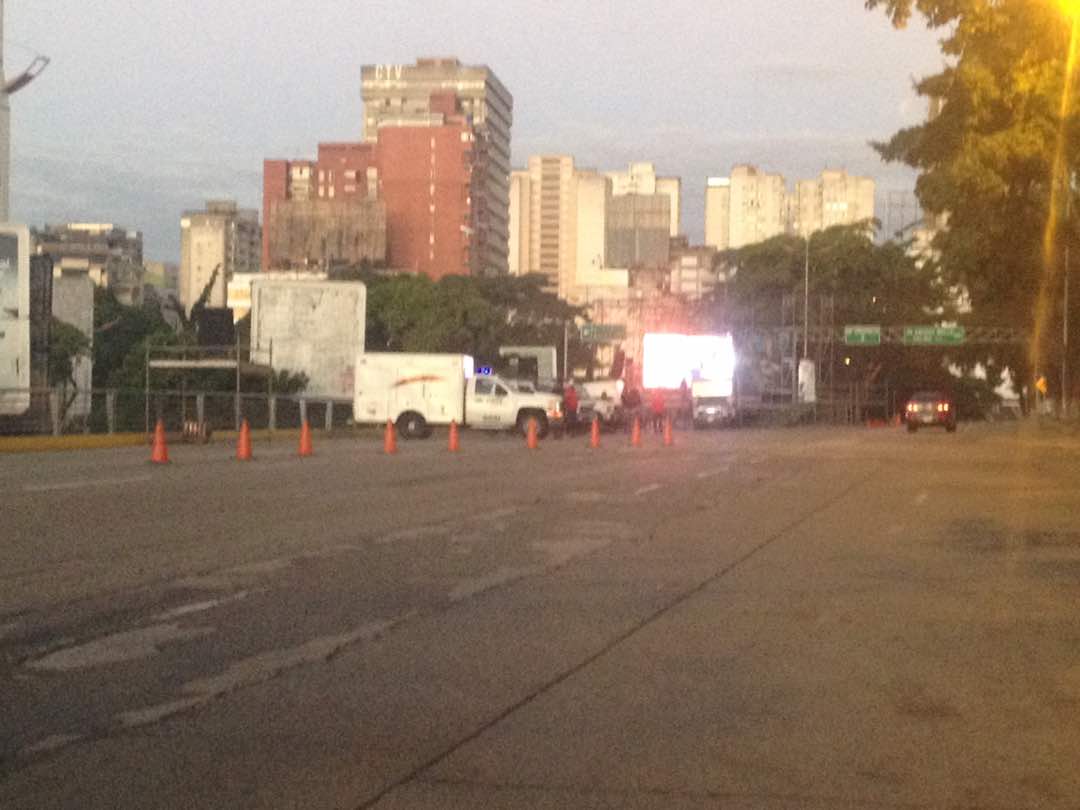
(862, 335)
(933, 335)
(603, 332)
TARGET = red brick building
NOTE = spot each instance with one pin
(422, 174)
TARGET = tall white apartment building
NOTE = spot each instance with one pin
(558, 226)
(834, 198)
(224, 237)
(751, 206)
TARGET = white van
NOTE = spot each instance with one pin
(416, 391)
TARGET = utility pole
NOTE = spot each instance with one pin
(1065, 308)
(806, 302)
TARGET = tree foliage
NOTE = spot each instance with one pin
(870, 283)
(66, 344)
(464, 314)
(987, 160)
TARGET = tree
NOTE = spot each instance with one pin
(993, 158)
(67, 344)
(870, 283)
(464, 314)
(120, 337)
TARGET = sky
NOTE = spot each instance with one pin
(151, 107)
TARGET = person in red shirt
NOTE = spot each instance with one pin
(658, 406)
(570, 406)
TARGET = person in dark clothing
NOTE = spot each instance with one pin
(631, 404)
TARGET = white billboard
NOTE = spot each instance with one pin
(671, 360)
(314, 327)
(14, 319)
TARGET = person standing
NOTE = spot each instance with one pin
(658, 407)
(631, 404)
(570, 406)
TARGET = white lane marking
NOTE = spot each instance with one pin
(118, 648)
(49, 744)
(713, 473)
(502, 576)
(647, 490)
(257, 669)
(922, 498)
(415, 533)
(200, 607)
(86, 482)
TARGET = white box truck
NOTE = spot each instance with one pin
(416, 391)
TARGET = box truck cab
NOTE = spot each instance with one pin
(417, 391)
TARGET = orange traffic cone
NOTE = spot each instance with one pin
(305, 440)
(390, 439)
(455, 440)
(669, 438)
(159, 453)
(531, 437)
(635, 433)
(243, 444)
(594, 437)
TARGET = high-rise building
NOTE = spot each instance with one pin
(317, 214)
(222, 237)
(758, 206)
(834, 198)
(546, 238)
(428, 184)
(427, 95)
(692, 269)
(641, 179)
(108, 255)
(718, 212)
(638, 234)
(559, 228)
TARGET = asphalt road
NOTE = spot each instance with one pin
(811, 618)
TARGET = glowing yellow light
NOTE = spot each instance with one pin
(1070, 7)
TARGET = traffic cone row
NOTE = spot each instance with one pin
(159, 453)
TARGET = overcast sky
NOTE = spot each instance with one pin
(150, 107)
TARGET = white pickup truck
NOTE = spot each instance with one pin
(713, 402)
(416, 391)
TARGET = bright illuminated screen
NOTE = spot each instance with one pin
(672, 359)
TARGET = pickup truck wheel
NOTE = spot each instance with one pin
(541, 423)
(412, 425)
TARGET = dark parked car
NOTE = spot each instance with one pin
(930, 409)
